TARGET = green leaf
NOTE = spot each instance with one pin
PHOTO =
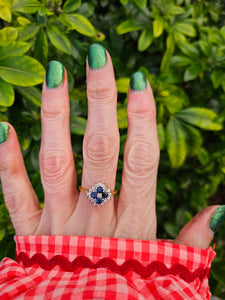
(21, 70)
(205, 47)
(13, 49)
(175, 10)
(171, 229)
(193, 139)
(8, 34)
(161, 135)
(203, 156)
(36, 131)
(7, 95)
(174, 98)
(122, 116)
(77, 125)
(3, 117)
(71, 5)
(218, 78)
(141, 3)
(123, 2)
(28, 31)
(128, 26)
(201, 117)
(192, 72)
(166, 61)
(26, 6)
(176, 143)
(86, 9)
(23, 21)
(185, 28)
(5, 10)
(145, 39)
(123, 85)
(157, 27)
(161, 197)
(79, 23)
(41, 47)
(180, 61)
(32, 94)
(59, 39)
(189, 50)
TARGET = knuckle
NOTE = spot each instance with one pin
(100, 93)
(14, 200)
(55, 166)
(146, 116)
(52, 112)
(101, 150)
(142, 158)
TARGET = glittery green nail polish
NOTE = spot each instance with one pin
(138, 81)
(54, 74)
(96, 56)
(4, 132)
(217, 218)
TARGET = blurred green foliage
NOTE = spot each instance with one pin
(178, 44)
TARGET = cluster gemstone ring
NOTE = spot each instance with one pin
(98, 194)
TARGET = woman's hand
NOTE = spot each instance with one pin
(68, 212)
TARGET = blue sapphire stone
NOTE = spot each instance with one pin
(104, 195)
(99, 189)
(99, 201)
(93, 195)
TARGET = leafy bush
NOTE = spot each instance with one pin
(178, 44)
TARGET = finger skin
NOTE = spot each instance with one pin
(56, 158)
(19, 196)
(141, 156)
(197, 232)
(100, 147)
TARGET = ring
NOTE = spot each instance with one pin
(99, 194)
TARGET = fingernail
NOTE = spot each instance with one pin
(217, 218)
(138, 81)
(54, 74)
(96, 56)
(4, 132)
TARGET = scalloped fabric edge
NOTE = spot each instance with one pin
(110, 264)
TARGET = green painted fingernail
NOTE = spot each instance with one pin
(4, 132)
(218, 218)
(96, 56)
(54, 74)
(138, 81)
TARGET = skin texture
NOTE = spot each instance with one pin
(68, 212)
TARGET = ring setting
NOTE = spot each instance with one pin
(98, 194)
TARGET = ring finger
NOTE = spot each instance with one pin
(101, 141)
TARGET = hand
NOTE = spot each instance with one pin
(68, 212)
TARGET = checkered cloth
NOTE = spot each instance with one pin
(70, 267)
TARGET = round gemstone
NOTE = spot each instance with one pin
(93, 195)
(99, 189)
(99, 201)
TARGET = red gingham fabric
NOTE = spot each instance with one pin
(71, 267)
